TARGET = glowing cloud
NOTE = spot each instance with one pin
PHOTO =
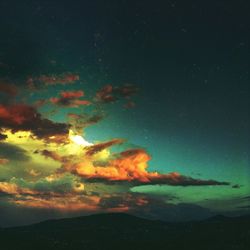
(79, 140)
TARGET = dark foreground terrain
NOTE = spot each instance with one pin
(122, 231)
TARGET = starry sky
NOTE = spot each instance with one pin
(123, 106)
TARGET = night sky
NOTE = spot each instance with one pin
(124, 106)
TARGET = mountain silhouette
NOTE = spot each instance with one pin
(123, 231)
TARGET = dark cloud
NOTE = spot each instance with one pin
(236, 186)
(82, 121)
(21, 117)
(176, 179)
(3, 137)
(13, 152)
(164, 179)
(91, 150)
(53, 155)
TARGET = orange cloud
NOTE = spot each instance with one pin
(105, 94)
(63, 203)
(14, 189)
(70, 99)
(131, 166)
(72, 94)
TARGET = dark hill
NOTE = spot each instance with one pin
(123, 231)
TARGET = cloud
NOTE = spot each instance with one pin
(51, 154)
(63, 79)
(3, 161)
(81, 121)
(8, 88)
(157, 208)
(126, 90)
(70, 99)
(126, 202)
(59, 192)
(110, 94)
(91, 150)
(3, 137)
(83, 178)
(56, 184)
(9, 151)
(53, 185)
(105, 94)
(72, 94)
(12, 188)
(21, 117)
(64, 203)
(131, 166)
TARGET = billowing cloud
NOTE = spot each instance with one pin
(131, 166)
(64, 192)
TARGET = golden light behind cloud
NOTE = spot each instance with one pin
(79, 140)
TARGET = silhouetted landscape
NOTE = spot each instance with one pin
(123, 231)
